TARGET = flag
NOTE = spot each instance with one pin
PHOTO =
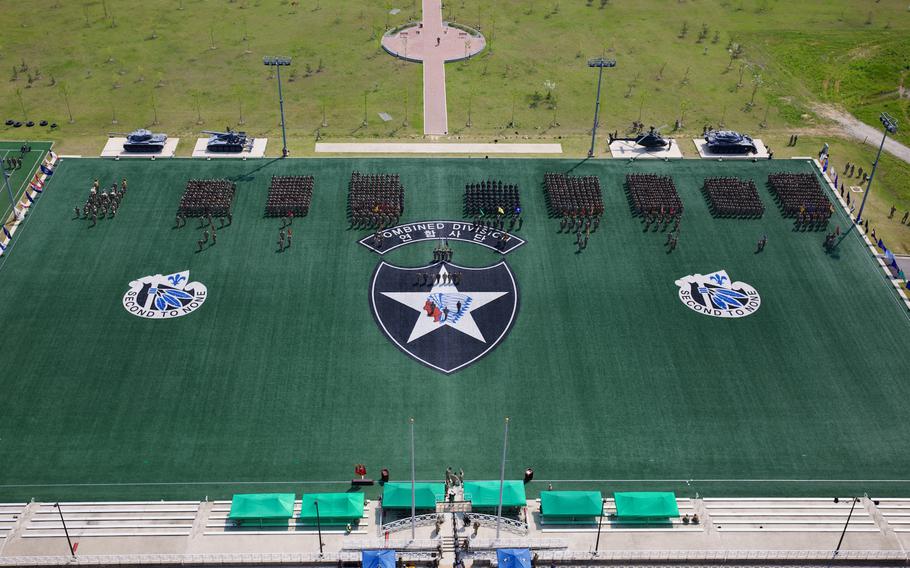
(48, 171)
(881, 245)
(889, 258)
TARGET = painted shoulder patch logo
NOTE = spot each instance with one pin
(164, 296)
(453, 320)
(717, 295)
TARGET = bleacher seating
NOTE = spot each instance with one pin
(207, 197)
(896, 512)
(733, 197)
(9, 516)
(289, 194)
(787, 515)
(651, 194)
(800, 196)
(491, 199)
(375, 200)
(132, 518)
(573, 196)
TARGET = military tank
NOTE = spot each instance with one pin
(729, 142)
(144, 141)
(649, 139)
(228, 142)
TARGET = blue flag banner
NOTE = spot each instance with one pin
(889, 259)
(6, 232)
(46, 170)
(29, 197)
(881, 245)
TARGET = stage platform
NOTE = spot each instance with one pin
(702, 147)
(258, 150)
(628, 149)
(435, 148)
(113, 148)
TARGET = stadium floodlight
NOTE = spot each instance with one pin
(847, 524)
(890, 125)
(9, 190)
(65, 531)
(502, 478)
(413, 486)
(600, 524)
(278, 63)
(600, 63)
(318, 525)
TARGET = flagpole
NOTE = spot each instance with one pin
(413, 487)
(502, 478)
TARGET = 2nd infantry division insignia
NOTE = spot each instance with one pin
(444, 315)
(164, 296)
(716, 295)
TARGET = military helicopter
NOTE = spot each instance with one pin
(729, 142)
(228, 142)
(142, 140)
(650, 139)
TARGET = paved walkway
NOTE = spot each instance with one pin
(433, 43)
(862, 131)
(435, 112)
(435, 148)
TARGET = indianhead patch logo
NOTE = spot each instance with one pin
(448, 320)
(164, 297)
(716, 295)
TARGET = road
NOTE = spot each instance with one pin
(862, 131)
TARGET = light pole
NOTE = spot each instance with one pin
(318, 525)
(413, 487)
(890, 127)
(280, 62)
(502, 478)
(600, 63)
(844, 532)
(9, 190)
(65, 531)
(600, 523)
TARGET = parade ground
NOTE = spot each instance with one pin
(283, 378)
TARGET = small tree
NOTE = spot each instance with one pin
(684, 30)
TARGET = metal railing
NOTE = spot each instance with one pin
(403, 524)
(394, 544)
(508, 524)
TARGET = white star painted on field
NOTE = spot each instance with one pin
(463, 321)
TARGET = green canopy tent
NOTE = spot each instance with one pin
(485, 494)
(397, 495)
(262, 507)
(334, 508)
(570, 507)
(647, 506)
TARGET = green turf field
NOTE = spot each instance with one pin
(283, 377)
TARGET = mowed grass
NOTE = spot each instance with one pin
(185, 65)
(186, 60)
(283, 376)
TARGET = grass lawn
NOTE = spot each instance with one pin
(282, 376)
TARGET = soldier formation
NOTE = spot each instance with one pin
(375, 201)
(801, 196)
(732, 197)
(101, 203)
(289, 195)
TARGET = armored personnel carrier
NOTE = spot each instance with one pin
(729, 142)
(228, 142)
(144, 141)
